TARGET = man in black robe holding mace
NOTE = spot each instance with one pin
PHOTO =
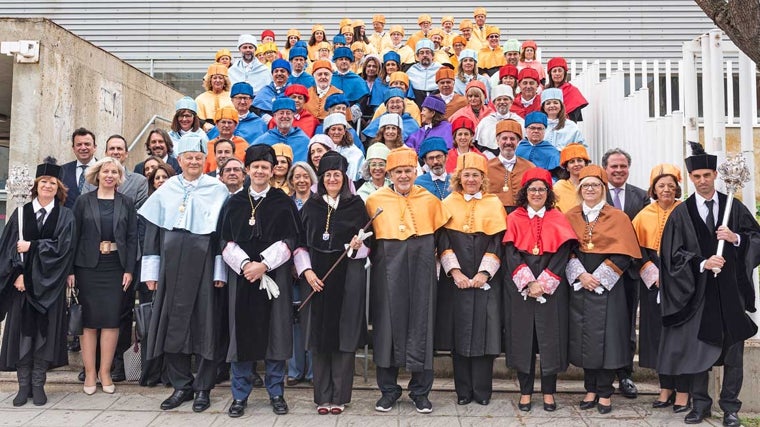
(704, 315)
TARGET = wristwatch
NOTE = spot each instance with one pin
(487, 274)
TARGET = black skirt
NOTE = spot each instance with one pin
(100, 292)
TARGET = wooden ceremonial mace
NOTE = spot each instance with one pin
(366, 226)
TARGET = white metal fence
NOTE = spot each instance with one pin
(651, 108)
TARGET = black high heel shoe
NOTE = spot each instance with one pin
(682, 408)
(525, 407)
(659, 404)
(586, 404)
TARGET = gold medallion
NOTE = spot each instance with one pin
(182, 207)
(505, 188)
(535, 249)
(402, 228)
(252, 221)
(590, 245)
(466, 227)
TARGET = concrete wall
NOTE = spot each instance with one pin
(75, 84)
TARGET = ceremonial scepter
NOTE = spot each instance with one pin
(19, 186)
(734, 173)
(366, 226)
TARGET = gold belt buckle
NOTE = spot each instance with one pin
(105, 247)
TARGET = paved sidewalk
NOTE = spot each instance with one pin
(136, 406)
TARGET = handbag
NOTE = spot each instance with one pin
(133, 362)
(74, 312)
(143, 313)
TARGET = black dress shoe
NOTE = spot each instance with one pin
(237, 409)
(257, 382)
(628, 388)
(550, 407)
(202, 401)
(730, 419)
(81, 376)
(696, 417)
(483, 402)
(604, 409)
(464, 400)
(525, 407)
(177, 398)
(73, 345)
(279, 406)
(588, 404)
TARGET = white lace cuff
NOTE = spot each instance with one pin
(449, 261)
(150, 266)
(302, 260)
(649, 274)
(606, 275)
(275, 255)
(234, 256)
(220, 270)
(573, 270)
(490, 263)
(522, 276)
(549, 282)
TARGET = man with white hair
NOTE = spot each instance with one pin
(248, 68)
(182, 263)
(422, 73)
(485, 133)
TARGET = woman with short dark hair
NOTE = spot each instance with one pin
(36, 251)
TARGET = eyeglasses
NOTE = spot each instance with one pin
(535, 128)
(541, 190)
(435, 158)
(185, 116)
(377, 165)
(232, 170)
(242, 98)
(591, 186)
(493, 36)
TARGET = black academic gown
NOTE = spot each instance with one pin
(468, 321)
(188, 311)
(403, 294)
(703, 315)
(335, 318)
(260, 328)
(524, 317)
(650, 319)
(36, 318)
(599, 326)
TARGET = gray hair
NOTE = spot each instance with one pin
(612, 151)
(305, 166)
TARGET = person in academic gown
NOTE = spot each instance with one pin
(334, 318)
(32, 297)
(468, 320)
(649, 223)
(703, 315)
(538, 243)
(599, 331)
(403, 291)
(260, 227)
(181, 261)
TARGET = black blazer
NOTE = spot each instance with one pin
(87, 214)
(636, 199)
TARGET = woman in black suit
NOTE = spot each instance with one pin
(106, 253)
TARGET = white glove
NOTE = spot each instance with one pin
(266, 282)
(266, 118)
(356, 111)
(362, 235)
(599, 289)
(524, 293)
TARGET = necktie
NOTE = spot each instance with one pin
(616, 198)
(710, 218)
(40, 218)
(80, 184)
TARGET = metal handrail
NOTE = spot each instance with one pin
(150, 122)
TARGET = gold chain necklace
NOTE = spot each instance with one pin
(252, 221)
(326, 234)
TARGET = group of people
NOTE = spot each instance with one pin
(487, 227)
